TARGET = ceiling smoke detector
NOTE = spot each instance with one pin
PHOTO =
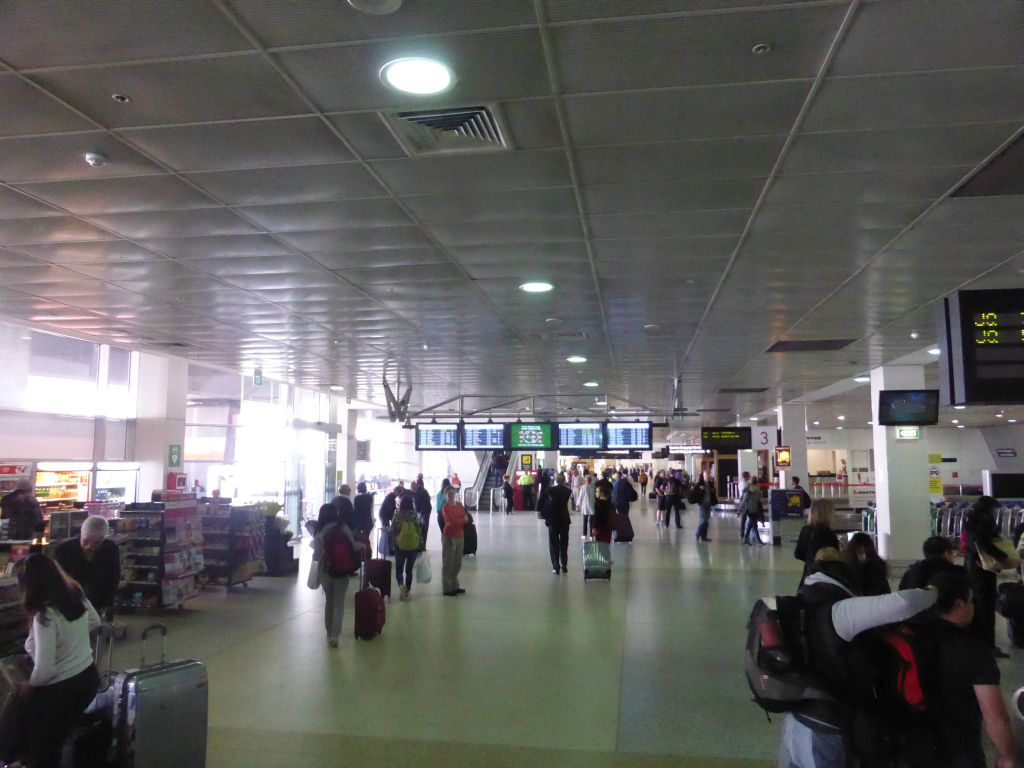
(120, 98)
(95, 159)
(760, 49)
(376, 7)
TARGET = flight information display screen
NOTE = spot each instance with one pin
(981, 334)
(527, 437)
(437, 437)
(483, 437)
(582, 436)
(631, 436)
(725, 438)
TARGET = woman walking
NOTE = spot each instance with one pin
(339, 554)
(455, 519)
(408, 539)
(64, 679)
(752, 513)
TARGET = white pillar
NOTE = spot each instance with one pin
(901, 474)
(351, 419)
(747, 462)
(163, 395)
(793, 423)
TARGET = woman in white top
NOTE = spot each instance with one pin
(64, 679)
(585, 496)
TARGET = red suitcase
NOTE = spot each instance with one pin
(377, 573)
(370, 613)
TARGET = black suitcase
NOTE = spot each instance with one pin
(469, 541)
(1015, 631)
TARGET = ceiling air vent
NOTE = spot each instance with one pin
(810, 345)
(172, 344)
(742, 390)
(714, 410)
(571, 335)
(447, 131)
(1004, 175)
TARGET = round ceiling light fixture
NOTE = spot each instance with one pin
(537, 286)
(120, 98)
(915, 335)
(841, 418)
(554, 320)
(816, 423)
(591, 383)
(376, 7)
(576, 359)
(417, 75)
(960, 426)
(95, 159)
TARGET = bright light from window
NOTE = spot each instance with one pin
(417, 75)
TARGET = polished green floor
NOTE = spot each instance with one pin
(526, 669)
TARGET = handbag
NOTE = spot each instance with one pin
(423, 572)
(313, 580)
(992, 564)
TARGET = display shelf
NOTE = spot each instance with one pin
(242, 558)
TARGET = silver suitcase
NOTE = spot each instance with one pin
(161, 712)
(597, 560)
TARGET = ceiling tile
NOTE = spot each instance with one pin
(232, 146)
(384, 257)
(678, 224)
(28, 110)
(62, 157)
(702, 49)
(504, 232)
(209, 247)
(50, 229)
(151, 225)
(800, 218)
(657, 197)
(489, 66)
(865, 186)
(369, 135)
(380, 212)
(748, 109)
(294, 184)
(109, 251)
(158, 30)
(366, 239)
(475, 173)
(665, 251)
(134, 193)
(532, 123)
(14, 205)
(493, 206)
(715, 159)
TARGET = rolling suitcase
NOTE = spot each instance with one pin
(469, 540)
(377, 573)
(370, 613)
(597, 560)
(160, 712)
(623, 532)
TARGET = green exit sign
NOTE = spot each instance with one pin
(257, 377)
(908, 433)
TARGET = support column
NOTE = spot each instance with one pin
(901, 474)
(351, 419)
(746, 462)
(163, 394)
(793, 423)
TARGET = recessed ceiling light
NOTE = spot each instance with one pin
(120, 98)
(753, 418)
(576, 359)
(935, 351)
(651, 327)
(536, 287)
(915, 335)
(591, 384)
(601, 402)
(1011, 421)
(337, 387)
(954, 421)
(960, 426)
(554, 320)
(95, 159)
(870, 423)
(761, 49)
(838, 427)
(862, 379)
(426, 347)
(999, 415)
(418, 75)
(841, 418)
(959, 407)
(816, 423)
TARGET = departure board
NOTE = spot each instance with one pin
(981, 336)
(580, 436)
(526, 437)
(483, 437)
(725, 438)
(437, 437)
(628, 435)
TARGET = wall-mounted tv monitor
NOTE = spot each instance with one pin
(580, 436)
(437, 437)
(628, 435)
(531, 437)
(902, 407)
(483, 437)
(725, 438)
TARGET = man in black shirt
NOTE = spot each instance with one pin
(938, 557)
(965, 682)
(362, 506)
(94, 562)
(554, 507)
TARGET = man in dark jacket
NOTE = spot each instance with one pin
(388, 508)
(543, 483)
(23, 511)
(362, 506)
(508, 493)
(554, 508)
(623, 494)
(343, 503)
(421, 499)
(94, 562)
(938, 557)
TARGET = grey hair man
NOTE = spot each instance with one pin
(93, 561)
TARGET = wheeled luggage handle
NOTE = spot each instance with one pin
(105, 634)
(162, 629)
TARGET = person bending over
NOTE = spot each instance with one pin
(94, 562)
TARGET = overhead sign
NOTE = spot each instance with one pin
(783, 456)
(725, 438)
(1006, 453)
(908, 433)
(685, 449)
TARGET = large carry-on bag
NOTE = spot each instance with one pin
(597, 560)
(469, 540)
(377, 573)
(161, 711)
(623, 529)
(370, 613)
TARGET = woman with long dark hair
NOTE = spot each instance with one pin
(871, 572)
(980, 530)
(64, 678)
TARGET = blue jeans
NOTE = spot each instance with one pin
(803, 747)
(405, 559)
(705, 520)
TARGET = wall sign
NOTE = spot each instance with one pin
(726, 438)
(526, 460)
(173, 456)
(908, 433)
(1006, 453)
(783, 456)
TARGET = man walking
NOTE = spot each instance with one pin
(554, 507)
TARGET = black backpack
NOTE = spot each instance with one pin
(777, 660)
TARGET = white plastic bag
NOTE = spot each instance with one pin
(423, 572)
(313, 580)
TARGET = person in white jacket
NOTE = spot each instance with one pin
(585, 496)
(64, 678)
